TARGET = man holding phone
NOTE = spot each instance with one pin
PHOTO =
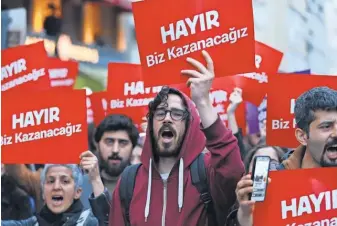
(316, 119)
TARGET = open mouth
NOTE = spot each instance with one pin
(167, 135)
(331, 151)
(57, 199)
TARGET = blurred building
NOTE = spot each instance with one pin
(93, 32)
(304, 30)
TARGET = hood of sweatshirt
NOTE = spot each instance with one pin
(193, 144)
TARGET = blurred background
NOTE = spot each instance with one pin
(95, 32)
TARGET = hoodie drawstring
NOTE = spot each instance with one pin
(148, 197)
(181, 185)
(180, 188)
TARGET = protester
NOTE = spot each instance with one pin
(15, 202)
(61, 186)
(173, 142)
(275, 153)
(29, 181)
(116, 136)
(235, 99)
(316, 119)
(52, 24)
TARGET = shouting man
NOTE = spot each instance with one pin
(316, 119)
(163, 190)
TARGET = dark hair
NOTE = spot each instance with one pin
(117, 122)
(249, 157)
(319, 98)
(52, 6)
(162, 97)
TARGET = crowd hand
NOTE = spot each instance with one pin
(235, 100)
(200, 81)
(89, 163)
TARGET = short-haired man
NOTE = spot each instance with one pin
(116, 136)
(316, 119)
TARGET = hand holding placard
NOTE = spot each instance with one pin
(89, 163)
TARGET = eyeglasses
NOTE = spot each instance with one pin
(176, 114)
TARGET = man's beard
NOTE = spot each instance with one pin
(167, 152)
(113, 170)
(330, 163)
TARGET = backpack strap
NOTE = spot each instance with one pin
(126, 187)
(199, 180)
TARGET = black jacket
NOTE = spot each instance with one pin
(100, 207)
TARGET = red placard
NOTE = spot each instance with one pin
(43, 127)
(254, 84)
(120, 73)
(299, 197)
(183, 28)
(267, 59)
(24, 68)
(253, 90)
(62, 73)
(219, 95)
(127, 93)
(96, 103)
(283, 90)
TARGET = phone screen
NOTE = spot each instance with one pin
(260, 178)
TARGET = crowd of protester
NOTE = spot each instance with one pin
(178, 133)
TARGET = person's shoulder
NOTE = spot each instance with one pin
(286, 156)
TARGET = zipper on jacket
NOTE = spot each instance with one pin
(164, 203)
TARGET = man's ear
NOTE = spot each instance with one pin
(78, 193)
(301, 136)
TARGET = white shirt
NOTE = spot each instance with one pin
(164, 176)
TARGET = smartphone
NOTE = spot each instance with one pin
(260, 178)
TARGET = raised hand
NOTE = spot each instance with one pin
(200, 81)
(235, 100)
(89, 163)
